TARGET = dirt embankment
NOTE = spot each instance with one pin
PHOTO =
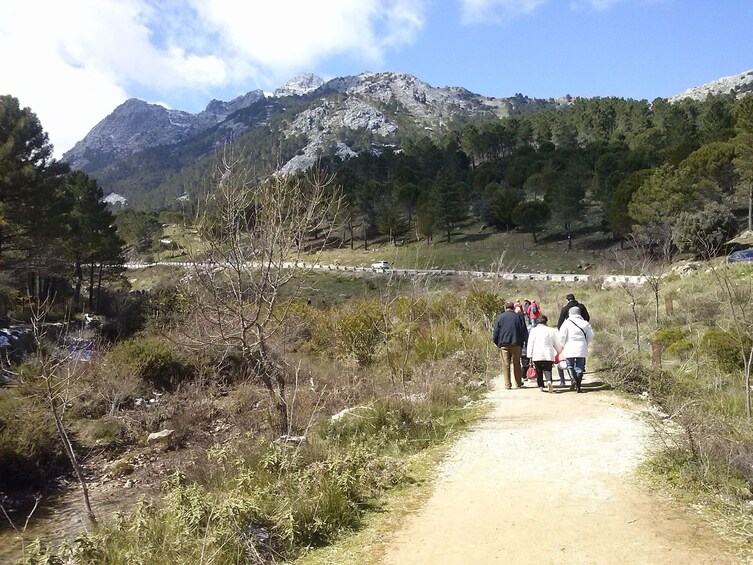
(550, 479)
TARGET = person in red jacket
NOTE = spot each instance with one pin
(534, 313)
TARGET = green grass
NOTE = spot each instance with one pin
(471, 247)
(475, 249)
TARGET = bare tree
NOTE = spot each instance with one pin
(256, 234)
(22, 530)
(632, 291)
(400, 332)
(738, 295)
(654, 259)
(56, 373)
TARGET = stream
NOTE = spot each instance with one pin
(61, 516)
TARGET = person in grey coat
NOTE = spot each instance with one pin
(509, 335)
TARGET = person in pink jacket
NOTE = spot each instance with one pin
(543, 344)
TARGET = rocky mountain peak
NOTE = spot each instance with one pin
(738, 84)
(300, 85)
(137, 125)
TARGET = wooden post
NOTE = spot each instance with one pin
(668, 305)
(656, 351)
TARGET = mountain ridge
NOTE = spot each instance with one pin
(340, 117)
(306, 118)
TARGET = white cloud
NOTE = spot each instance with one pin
(598, 5)
(72, 62)
(477, 11)
(286, 35)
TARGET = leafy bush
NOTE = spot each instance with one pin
(674, 340)
(486, 303)
(30, 451)
(725, 348)
(360, 332)
(439, 341)
(704, 233)
(155, 360)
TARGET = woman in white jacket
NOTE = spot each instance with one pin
(543, 344)
(575, 334)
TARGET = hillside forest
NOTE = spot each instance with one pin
(627, 167)
(281, 421)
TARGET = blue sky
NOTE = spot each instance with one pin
(90, 55)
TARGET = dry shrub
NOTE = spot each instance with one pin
(194, 410)
(411, 309)
(108, 431)
(446, 306)
(112, 385)
(718, 440)
(301, 322)
(699, 310)
(360, 331)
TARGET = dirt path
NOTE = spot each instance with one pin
(550, 479)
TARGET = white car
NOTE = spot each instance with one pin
(380, 266)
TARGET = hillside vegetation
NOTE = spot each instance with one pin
(294, 401)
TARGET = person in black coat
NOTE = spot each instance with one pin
(509, 335)
(566, 309)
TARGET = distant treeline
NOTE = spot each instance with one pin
(629, 166)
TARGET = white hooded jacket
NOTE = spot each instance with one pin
(543, 343)
(575, 334)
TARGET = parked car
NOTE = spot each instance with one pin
(380, 266)
(744, 255)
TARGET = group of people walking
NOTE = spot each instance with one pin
(542, 346)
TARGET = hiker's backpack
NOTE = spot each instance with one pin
(533, 311)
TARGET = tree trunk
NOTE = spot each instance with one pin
(68, 448)
(747, 362)
(750, 206)
(79, 281)
(91, 287)
(656, 353)
(99, 287)
(637, 326)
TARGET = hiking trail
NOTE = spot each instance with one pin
(550, 478)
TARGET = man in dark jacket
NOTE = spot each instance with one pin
(566, 309)
(510, 333)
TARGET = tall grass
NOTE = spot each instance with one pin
(699, 385)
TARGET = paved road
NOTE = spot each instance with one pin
(556, 277)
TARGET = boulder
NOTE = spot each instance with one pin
(160, 439)
(292, 441)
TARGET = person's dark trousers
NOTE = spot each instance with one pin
(542, 367)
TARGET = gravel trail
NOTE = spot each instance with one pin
(550, 479)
